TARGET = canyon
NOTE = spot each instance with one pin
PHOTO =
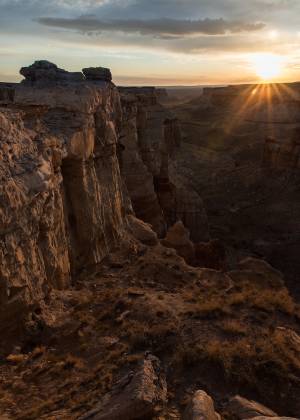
(131, 286)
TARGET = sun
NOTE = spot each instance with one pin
(267, 66)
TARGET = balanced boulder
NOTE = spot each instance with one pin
(201, 407)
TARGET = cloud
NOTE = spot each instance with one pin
(162, 27)
(147, 38)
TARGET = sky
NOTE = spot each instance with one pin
(155, 42)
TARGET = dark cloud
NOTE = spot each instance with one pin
(156, 27)
(195, 45)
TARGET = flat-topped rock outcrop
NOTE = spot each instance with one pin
(43, 71)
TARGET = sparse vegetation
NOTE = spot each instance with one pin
(192, 326)
(233, 326)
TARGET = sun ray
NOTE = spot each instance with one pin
(241, 109)
(290, 92)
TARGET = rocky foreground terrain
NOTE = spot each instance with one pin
(117, 298)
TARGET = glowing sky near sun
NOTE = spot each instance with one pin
(160, 42)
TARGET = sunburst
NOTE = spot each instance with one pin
(267, 66)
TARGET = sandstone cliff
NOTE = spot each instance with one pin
(150, 137)
(63, 205)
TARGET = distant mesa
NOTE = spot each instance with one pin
(43, 71)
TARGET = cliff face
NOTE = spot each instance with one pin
(136, 170)
(150, 138)
(63, 206)
(282, 141)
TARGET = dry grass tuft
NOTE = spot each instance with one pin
(71, 362)
(271, 300)
(216, 304)
(233, 326)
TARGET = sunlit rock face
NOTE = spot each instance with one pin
(63, 205)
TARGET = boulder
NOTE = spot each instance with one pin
(201, 407)
(274, 418)
(178, 237)
(245, 409)
(189, 208)
(97, 73)
(142, 231)
(290, 339)
(135, 396)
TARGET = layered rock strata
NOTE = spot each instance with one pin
(63, 205)
(138, 177)
(150, 137)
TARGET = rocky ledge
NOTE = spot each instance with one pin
(42, 71)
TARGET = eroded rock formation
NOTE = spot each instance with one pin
(150, 137)
(178, 237)
(135, 396)
(63, 205)
(138, 177)
(201, 407)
